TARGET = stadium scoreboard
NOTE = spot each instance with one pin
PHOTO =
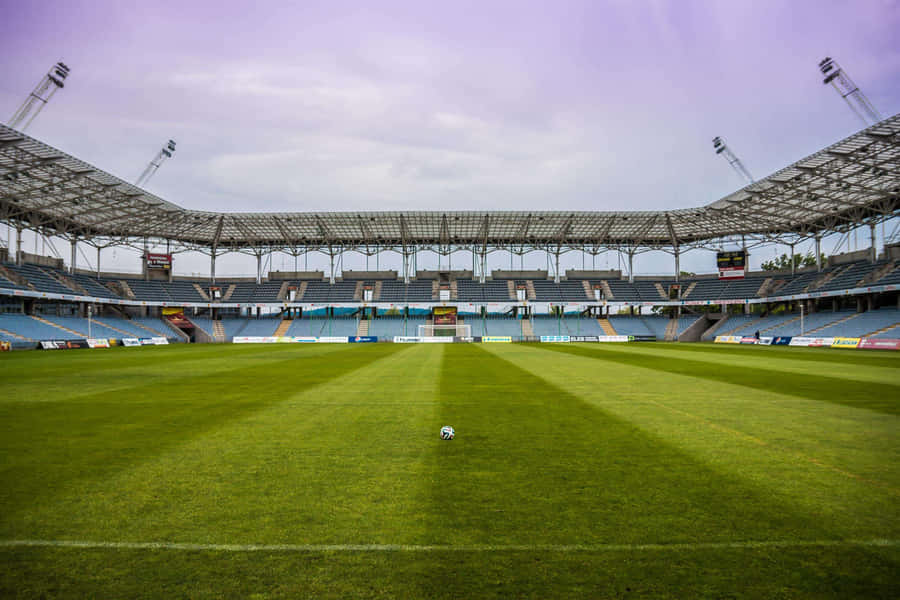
(731, 265)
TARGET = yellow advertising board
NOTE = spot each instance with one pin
(845, 342)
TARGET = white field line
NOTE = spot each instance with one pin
(86, 544)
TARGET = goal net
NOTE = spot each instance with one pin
(456, 330)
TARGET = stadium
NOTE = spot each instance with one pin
(612, 433)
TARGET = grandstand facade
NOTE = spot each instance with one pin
(854, 183)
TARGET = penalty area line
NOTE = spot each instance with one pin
(686, 546)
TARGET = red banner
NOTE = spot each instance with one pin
(879, 344)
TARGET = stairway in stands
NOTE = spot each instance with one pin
(607, 327)
(108, 326)
(527, 328)
(219, 331)
(283, 328)
(671, 330)
(201, 291)
(363, 327)
(15, 335)
(839, 321)
(882, 330)
(58, 326)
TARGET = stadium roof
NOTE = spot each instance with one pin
(854, 181)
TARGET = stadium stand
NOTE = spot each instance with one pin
(40, 279)
(628, 325)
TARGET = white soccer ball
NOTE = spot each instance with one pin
(447, 432)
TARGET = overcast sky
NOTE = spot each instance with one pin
(305, 106)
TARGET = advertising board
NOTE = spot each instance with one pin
(496, 339)
(879, 344)
(363, 339)
(845, 342)
(584, 338)
(97, 343)
(781, 340)
(748, 340)
(728, 339)
(555, 338)
(131, 342)
(63, 344)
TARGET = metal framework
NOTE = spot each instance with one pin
(849, 184)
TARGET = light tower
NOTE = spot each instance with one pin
(40, 96)
(167, 151)
(849, 91)
(734, 161)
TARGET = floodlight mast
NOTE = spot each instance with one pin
(734, 161)
(167, 151)
(40, 96)
(849, 91)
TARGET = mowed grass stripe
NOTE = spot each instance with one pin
(535, 464)
(839, 356)
(47, 448)
(829, 459)
(773, 359)
(876, 396)
(110, 373)
(336, 463)
(528, 548)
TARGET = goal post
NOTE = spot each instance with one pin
(455, 330)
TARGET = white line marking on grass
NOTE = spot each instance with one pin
(445, 548)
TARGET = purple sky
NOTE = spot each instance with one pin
(445, 106)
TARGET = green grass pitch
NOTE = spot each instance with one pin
(578, 470)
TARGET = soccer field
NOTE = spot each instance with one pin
(578, 470)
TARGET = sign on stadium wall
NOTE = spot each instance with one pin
(765, 341)
(728, 339)
(555, 338)
(781, 340)
(584, 338)
(496, 338)
(63, 344)
(363, 339)
(845, 342)
(811, 342)
(97, 343)
(879, 344)
(131, 342)
(419, 339)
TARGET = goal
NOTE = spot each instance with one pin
(457, 330)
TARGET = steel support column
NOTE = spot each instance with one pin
(874, 256)
(556, 274)
(818, 252)
(98, 262)
(793, 266)
(212, 267)
(74, 255)
(18, 246)
(631, 266)
(677, 265)
(258, 268)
